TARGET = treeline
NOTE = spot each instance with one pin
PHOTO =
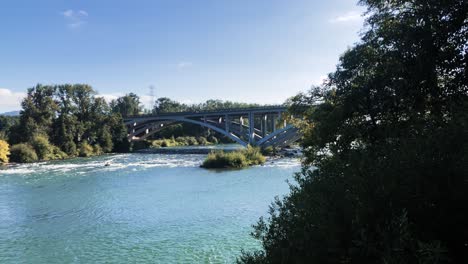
(167, 105)
(62, 121)
(385, 179)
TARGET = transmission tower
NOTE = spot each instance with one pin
(151, 94)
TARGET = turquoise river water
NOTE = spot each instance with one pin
(143, 208)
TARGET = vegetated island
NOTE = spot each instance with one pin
(235, 159)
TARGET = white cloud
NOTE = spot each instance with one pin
(110, 97)
(351, 16)
(9, 100)
(184, 64)
(75, 19)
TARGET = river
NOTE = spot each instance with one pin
(143, 208)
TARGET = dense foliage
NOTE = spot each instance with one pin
(4, 151)
(234, 159)
(167, 105)
(6, 123)
(23, 153)
(179, 141)
(63, 121)
(126, 105)
(388, 138)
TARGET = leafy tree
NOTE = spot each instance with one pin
(4, 151)
(387, 136)
(37, 114)
(65, 125)
(167, 105)
(42, 146)
(6, 125)
(126, 105)
(118, 131)
(73, 118)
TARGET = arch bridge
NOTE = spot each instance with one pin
(257, 126)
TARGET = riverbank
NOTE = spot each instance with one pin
(200, 149)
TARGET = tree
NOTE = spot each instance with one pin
(167, 105)
(37, 115)
(126, 105)
(6, 125)
(4, 151)
(66, 120)
(387, 136)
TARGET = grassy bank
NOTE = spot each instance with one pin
(236, 159)
(180, 141)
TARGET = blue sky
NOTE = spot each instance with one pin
(261, 51)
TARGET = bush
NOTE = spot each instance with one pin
(136, 145)
(43, 148)
(57, 153)
(213, 139)
(192, 141)
(181, 141)
(269, 151)
(23, 153)
(253, 155)
(86, 150)
(165, 143)
(97, 149)
(4, 151)
(69, 148)
(202, 141)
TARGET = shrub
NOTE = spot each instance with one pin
(269, 151)
(57, 153)
(140, 145)
(43, 148)
(164, 144)
(97, 149)
(69, 148)
(181, 141)
(253, 155)
(213, 139)
(23, 153)
(4, 151)
(192, 141)
(86, 150)
(202, 141)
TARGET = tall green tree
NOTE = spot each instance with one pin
(127, 105)
(167, 105)
(72, 118)
(37, 114)
(387, 136)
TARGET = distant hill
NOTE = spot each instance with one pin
(11, 113)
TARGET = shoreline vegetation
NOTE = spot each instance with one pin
(384, 174)
(71, 120)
